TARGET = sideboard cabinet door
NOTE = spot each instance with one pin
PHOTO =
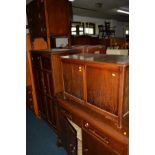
(103, 93)
(73, 79)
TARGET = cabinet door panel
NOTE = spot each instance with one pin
(68, 135)
(92, 146)
(102, 89)
(48, 84)
(73, 79)
(41, 103)
(58, 13)
(36, 19)
(51, 111)
(38, 78)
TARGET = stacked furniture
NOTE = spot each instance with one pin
(85, 98)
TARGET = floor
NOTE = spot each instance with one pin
(40, 138)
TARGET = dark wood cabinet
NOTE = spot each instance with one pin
(86, 90)
(100, 81)
(47, 73)
(99, 135)
(48, 18)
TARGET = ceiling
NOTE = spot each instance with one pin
(100, 9)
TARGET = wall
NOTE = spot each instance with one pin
(119, 26)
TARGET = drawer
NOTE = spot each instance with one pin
(105, 139)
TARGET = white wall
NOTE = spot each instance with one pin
(119, 26)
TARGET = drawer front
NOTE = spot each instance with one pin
(119, 148)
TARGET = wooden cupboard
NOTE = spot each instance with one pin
(48, 80)
(49, 18)
(98, 81)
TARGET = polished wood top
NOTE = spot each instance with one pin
(98, 58)
(53, 51)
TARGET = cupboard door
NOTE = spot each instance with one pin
(68, 135)
(51, 114)
(48, 83)
(58, 17)
(73, 79)
(92, 146)
(102, 88)
(38, 79)
(42, 104)
(36, 18)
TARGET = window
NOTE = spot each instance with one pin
(81, 28)
(89, 28)
(77, 28)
